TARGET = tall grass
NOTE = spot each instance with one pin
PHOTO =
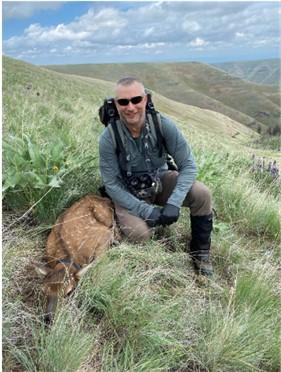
(64, 348)
(145, 301)
(155, 318)
(240, 205)
(240, 201)
(244, 335)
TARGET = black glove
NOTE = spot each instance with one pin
(154, 219)
(170, 214)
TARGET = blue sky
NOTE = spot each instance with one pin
(112, 31)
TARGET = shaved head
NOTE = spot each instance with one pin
(128, 81)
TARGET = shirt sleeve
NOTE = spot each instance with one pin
(179, 149)
(112, 179)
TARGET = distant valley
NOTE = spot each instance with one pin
(262, 72)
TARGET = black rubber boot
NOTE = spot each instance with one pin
(201, 228)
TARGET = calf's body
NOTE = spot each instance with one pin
(80, 235)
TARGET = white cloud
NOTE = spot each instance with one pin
(198, 42)
(26, 9)
(152, 45)
(62, 32)
(190, 26)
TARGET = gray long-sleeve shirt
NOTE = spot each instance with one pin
(111, 166)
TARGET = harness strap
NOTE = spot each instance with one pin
(154, 119)
(110, 127)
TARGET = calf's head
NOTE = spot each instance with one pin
(58, 281)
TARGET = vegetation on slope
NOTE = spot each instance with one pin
(140, 308)
(262, 71)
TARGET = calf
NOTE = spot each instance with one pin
(80, 235)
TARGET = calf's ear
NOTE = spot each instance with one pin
(69, 289)
(83, 271)
(41, 269)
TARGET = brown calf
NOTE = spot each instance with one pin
(80, 235)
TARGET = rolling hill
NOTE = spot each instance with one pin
(49, 84)
(196, 84)
(262, 71)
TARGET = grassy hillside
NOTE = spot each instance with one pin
(196, 84)
(262, 72)
(140, 308)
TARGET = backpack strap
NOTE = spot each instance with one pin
(117, 136)
(111, 130)
(119, 142)
(155, 123)
(157, 126)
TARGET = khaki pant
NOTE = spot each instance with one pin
(198, 200)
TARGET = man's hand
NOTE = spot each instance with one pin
(169, 215)
(154, 219)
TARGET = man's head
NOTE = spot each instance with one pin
(130, 100)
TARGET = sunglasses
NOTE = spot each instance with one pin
(126, 101)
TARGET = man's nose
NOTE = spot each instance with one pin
(130, 106)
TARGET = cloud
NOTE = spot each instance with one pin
(21, 10)
(153, 27)
(191, 26)
(239, 34)
(198, 42)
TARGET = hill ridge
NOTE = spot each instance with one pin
(265, 71)
(197, 84)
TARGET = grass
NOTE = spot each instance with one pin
(140, 305)
(140, 308)
(65, 348)
(268, 142)
(241, 335)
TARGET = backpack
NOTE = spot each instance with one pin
(108, 114)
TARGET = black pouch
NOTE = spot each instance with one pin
(145, 185)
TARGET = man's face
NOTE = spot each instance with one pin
(133, 114)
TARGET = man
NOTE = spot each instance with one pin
(138, 213)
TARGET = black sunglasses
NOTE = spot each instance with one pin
(126, 101)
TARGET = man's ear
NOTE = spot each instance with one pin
(147, 97)
(41, 269)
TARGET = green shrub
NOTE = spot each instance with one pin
(40, 176)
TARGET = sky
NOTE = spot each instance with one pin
(125, 31)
